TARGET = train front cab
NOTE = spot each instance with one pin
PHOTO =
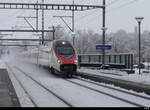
(66, 57)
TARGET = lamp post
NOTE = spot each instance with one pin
(139, 20)
(73, 24)
(103, 58)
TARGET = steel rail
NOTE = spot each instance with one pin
(27, 93)
(98, 84)
(101, 92)
(63, 100)
(138, 87)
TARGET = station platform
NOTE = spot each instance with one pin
(8, 97)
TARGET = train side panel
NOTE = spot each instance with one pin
(54, 61)
(43, 58)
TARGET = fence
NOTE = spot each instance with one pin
(121, 61)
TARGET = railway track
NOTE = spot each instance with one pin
(41, 85)
(87, 85)
(74, 81)
(111, 88)
(29, 96)
(138, 87)
(108, 87)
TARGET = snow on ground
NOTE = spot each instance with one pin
(76, 95)
(22, 96)
(114, 92)
(41, 97)
(2, 65)
(143, 78)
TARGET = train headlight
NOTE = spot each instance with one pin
(59, 61)
(63, 42)
(76, 61)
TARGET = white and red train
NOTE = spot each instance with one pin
(59, 56)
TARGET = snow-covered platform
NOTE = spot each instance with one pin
(136, 82)
(8, 97)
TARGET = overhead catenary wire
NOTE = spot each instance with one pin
(79, 2)
(121, 6)
(93, 11)
(112, 2)
(22, 12)
(17, 23)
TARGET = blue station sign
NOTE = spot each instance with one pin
(103, 47)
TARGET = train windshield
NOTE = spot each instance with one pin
(64, 49)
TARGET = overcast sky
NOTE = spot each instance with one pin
(120, 15)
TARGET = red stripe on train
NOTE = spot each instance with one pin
(67, 60)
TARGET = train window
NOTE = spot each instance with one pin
(64, 50)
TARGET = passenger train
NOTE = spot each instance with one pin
(59, 56)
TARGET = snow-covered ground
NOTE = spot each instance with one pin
(2, 65)
(142, 78)
(77, 96)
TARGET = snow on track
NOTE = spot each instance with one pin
(76, 95)
(39, 95)
(132, 98)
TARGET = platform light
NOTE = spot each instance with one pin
(139, 20)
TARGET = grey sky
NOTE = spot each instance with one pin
(120, 15)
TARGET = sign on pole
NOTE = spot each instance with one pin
(103, 47)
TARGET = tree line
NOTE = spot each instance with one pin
(121, 41)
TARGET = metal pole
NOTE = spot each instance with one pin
(53, 33)
(139, 23)
(43, 22)
(73, 24)
(139, 20)
(103, 33)
(148, 59)
(37, 17)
